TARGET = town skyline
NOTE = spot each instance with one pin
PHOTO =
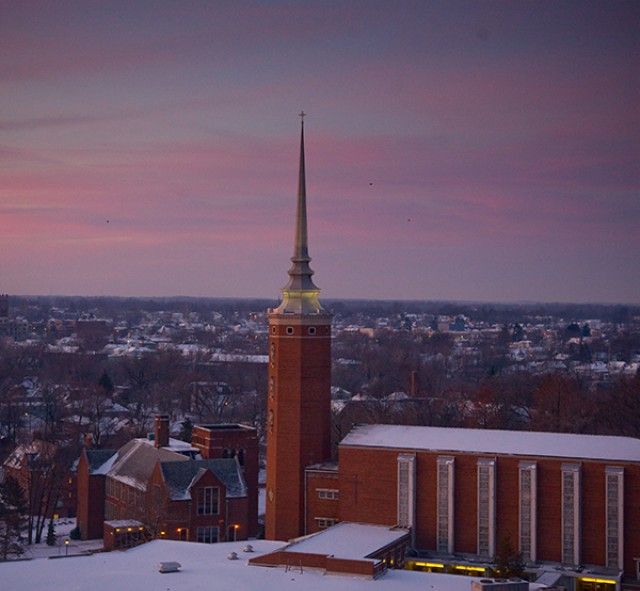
(454, 152)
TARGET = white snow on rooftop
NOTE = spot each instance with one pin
(348, 540)
(489, 441)
(204, 566)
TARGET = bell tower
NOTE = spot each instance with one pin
(299, 395)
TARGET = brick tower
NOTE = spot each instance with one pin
(299, 397)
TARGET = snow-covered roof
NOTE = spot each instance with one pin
(352, 541)
(490, 441)
(181, 476)
(204, 566)
(136, 460)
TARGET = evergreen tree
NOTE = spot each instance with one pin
(106, 383)
(509, 562)
(185, 430)
(51, 534)
(12, 519)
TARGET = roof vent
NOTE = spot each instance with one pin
(248, 548)
(169, 567)
(232, 556)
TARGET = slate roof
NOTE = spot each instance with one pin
(180, 476)
(97, 457)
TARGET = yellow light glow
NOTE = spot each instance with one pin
(129, 529)
(117, 529)
(595, 580)
(140, 528)
(236, 526)
(163, 533)
(478, 569)
(429, 564)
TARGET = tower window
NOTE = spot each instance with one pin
(289, 329)
(312, 330)
(273, 330)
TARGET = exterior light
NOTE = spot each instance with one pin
(478, 569)
(163, 533)
(597, 580)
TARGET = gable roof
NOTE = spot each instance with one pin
(136, 460)
(181, 476)
(491, 441)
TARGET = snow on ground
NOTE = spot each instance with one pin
(204, 566)
(62, 528)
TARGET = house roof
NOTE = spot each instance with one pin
(97, 458)
(490, 441)
(181, 476)
(38, 449)
(136, 460)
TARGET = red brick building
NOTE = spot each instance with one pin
(173, 489)
(299, 388)
(570, 504)
(233, 441)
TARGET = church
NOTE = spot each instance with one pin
(438, 499)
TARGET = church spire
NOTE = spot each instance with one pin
(300, 295)
(301, 249)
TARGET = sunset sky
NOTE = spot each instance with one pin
(455, 150)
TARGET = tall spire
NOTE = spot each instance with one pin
(300, 295)
(301, 249)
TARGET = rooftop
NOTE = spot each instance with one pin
(203, 566)
(353, 541)
(489, 441)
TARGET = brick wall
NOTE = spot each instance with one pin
(316, 506)
(90, 497)
(298, 416)
(368, 481)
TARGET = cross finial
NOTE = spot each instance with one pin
(302, 115)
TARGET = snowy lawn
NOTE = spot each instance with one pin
(62, 528)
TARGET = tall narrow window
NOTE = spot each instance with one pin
(528, 510)
(571, 516)
(406, 490)
(486, 507)
(208, 498)
(444, 533)
(615, 516)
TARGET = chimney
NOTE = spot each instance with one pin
(162, 431)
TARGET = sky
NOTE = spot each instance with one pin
(485, 151)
